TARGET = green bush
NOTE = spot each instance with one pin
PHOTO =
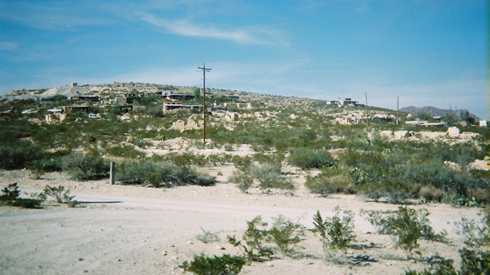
(309, 158)
(254, 241)
(243, 180)
(48, 164)
(476, 233)
(472, 262)
(331, 180)
(442, 267)
(11, 196)
(215, 265)
(337, 231)
(18, 155)
(286, 235)
(85, 167)
(407, 225)
(269, 176)
(162, 174)
(59, 193)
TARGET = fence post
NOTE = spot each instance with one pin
(112, 172)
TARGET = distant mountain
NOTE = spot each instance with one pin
(434, 111)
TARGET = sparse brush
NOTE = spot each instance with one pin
(476, 233)
(335, 232)
(10, 192)
(269, 176)
(330, 180)
(208, 236)
(286, 235)
(11, 196)
(160, 174)
(59, 193)
(309, 158)
(407, 225)
(253, 242)
(243, 180)
(474, 261)
(85, 167)
(214, 265)
(442, 267)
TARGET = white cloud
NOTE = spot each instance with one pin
(8, 46)
(250, 35)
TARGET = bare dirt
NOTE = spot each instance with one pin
(140, 230)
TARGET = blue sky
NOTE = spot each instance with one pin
(428, 52)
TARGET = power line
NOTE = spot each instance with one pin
(204, 69)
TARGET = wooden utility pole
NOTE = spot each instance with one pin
(397, 109)
(204, 69)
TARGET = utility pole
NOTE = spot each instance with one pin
(204, 69)
(397, 109)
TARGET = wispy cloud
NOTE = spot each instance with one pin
(249, 35)
(8, 46)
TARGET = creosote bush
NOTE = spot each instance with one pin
(214, 265)
(267, 175)
(407, 225)
(85, 167)
(309, 158)
(260, 241)
(11, 196)
(286, 235)
(331, 180)
(160, 174)
(335, 232)
(253, 242)
(18, 154)
(59, 193)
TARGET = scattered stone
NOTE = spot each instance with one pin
(361, 259)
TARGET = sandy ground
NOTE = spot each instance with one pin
(140, 230)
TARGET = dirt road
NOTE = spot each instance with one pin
(138, 230)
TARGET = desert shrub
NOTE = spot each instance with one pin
(85, 167)
(335, 232)
(18, 154)
(259, 241)
(476, 233)
(474, 261)
(269, 176)
(441, 267)
(162, 174)
(58, 193)
(47, 164)
(215, 265)
(407, 225)
(126, 151)
(242, 179)
(309, 158)
(397, 173)
(431, 193)
(207, 237)
(11, 196)
(286, 235)
(254, 241)
(330, 180)
(10, 192)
